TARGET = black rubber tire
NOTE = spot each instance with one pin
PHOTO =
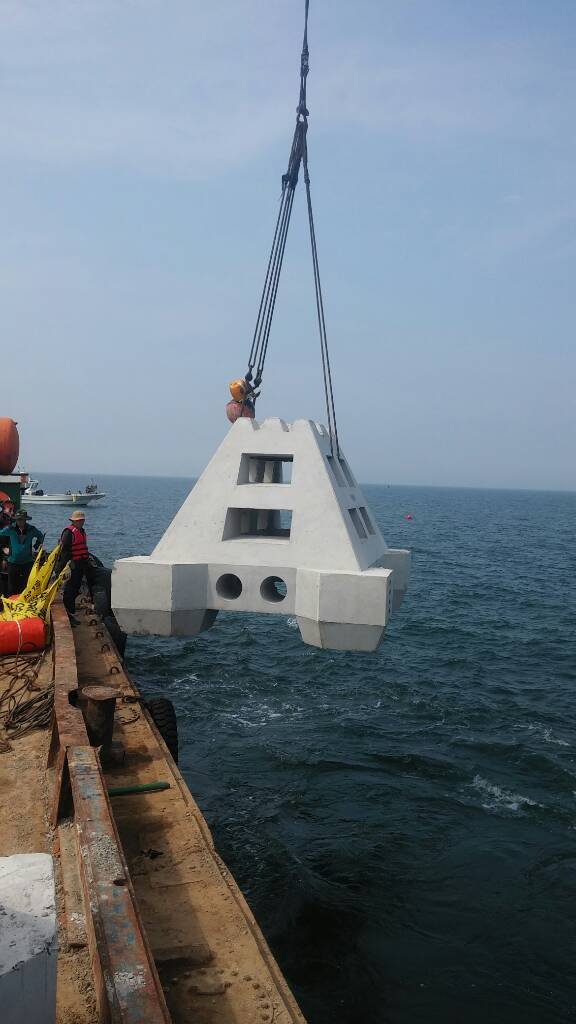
(102, 580)
(119, 638)
(101, 601)
(164, 717)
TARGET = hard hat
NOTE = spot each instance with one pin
(238, 389)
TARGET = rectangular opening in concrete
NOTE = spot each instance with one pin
(367, 520)
(358, 524)
(347, 474)
(265, 469)
(335, 469)
(257, 523)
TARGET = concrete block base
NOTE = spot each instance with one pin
(276, 525)
(341, 610)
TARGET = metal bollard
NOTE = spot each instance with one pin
(98, 706)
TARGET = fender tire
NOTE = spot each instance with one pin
(100, 601)
(163, 715)
(102, 580)
(116, 633)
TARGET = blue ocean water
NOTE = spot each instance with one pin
(403, 824)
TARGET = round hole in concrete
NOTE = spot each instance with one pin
(229, 586)
(273, 588)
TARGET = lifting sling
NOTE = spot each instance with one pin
(259, 348)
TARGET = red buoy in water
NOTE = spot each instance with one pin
(9, 444)
(234, 410)
(409, 516)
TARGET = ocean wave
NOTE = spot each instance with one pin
(496, 798)
(544, 732)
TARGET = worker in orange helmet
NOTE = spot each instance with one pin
(243, 400)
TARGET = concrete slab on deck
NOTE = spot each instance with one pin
(28, 939)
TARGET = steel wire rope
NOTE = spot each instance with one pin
(271, 285)
(261, 337)
(252, 356)
(276, 282)
(326, 368)
(18, 715)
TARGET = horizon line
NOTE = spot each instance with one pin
(180, 476)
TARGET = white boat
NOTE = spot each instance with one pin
(34, 495)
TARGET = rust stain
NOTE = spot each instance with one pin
(127, 984)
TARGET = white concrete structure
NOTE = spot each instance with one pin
(28, 939)
(275, 524)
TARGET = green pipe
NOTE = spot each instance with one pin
(144, 787)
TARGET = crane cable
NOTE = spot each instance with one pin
(298, 157)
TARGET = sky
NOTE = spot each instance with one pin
(141, 153)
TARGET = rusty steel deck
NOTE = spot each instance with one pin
(170, 936)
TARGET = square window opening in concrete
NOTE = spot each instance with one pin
(367, 521)
(257, 523)
(336, 471)
(358, 524)
(265, 469)
(347, 473)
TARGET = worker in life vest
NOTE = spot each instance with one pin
(242, 404)
(75, 552)
(24, 542)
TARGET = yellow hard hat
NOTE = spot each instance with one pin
(238, 389)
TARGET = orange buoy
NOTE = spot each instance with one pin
(234, 410)
(22, 635)
(9, 444)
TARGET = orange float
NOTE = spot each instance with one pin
(9, 444)
(22, 636)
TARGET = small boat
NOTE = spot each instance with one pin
(34, 495)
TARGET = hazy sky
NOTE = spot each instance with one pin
(142, 145)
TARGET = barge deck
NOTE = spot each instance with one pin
(152, 926)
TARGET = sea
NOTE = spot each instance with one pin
(403, 823)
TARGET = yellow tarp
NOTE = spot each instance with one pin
(36, 598)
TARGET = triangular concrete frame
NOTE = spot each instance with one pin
(275, 524)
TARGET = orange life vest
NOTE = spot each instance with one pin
(79, 543)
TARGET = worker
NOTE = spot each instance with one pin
(243, 400)
(6, 514)
(75, 551)
(25, 540)
(5, 520)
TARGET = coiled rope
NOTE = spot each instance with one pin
(20, 713)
